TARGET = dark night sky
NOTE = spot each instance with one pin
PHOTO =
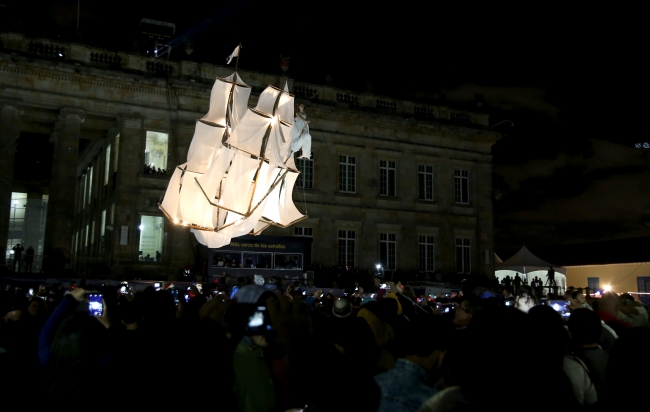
(573, 80)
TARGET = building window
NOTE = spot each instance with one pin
(87, 231)
(347, 174)
(155, 152)
(85, 179)
(303, 231)
(425, 182)
(151, 238)
(92, 233)
(461, 186)
(306, 177)
(387, 250)
(387, 176)
(463, 256)
(90, 184)
(643, 285)
(107, 166)
(593, 283)
(117, 152)
(103, 227)
(16, 222)
(426, 252)
(346, 248)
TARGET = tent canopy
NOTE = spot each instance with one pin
(526, 261)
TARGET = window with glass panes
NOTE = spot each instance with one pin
(90, 185)
(461, 186)
(151, 238)
(387, 177)
(425, 182)
(155, 152)
(593, 283)
(347, 174)
(463, 255)
(107, 164)
(387, 250)
(346, 247)
(426, 252)
(303, 231)
(306, 177)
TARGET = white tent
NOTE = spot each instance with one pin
(528, 266)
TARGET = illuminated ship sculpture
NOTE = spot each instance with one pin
(240, 173)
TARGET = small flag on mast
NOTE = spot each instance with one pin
(235, 53)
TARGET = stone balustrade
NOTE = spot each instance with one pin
(85, 55)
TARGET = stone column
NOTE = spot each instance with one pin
(60, 213)
(127, 194)
(9, 131)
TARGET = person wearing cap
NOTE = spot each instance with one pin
(341, 308)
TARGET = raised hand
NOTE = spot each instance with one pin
(103, 319)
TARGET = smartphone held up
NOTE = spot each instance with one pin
(95, 304)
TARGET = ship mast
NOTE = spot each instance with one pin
(226, 136)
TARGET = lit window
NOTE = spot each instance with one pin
(463, 256)
(103, 227)
(107, 166)
(387, 250)
(151, 238)
(425, 182)
(347, 174)
(16, 221)
(461, 186)
(426, 252)
(155, 152)
(387, 177)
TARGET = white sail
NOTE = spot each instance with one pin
(206, 141)
(195, 208)
(289, 213)
(239, 105)
(171, 202)
(220, 99)
(285, 108)
(237, 187)
(211, 180)
(268, 100)
(278, 146)
(250, 132)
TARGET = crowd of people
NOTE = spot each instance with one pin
(151, 170)
(258, 345)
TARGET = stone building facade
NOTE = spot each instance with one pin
(392, 182)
